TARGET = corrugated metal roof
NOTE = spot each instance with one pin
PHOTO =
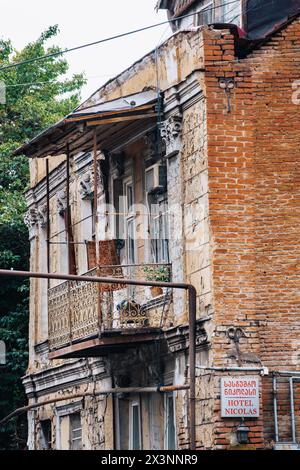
(125, 103)
(116, 116)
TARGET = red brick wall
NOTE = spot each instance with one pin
(253, 158)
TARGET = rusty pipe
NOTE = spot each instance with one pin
(68, 208)
(173, 285)
(110, 391)
(192, 363)
(48, 215)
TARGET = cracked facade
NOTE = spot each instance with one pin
(223, 150)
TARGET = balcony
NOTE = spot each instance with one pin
(91, 319)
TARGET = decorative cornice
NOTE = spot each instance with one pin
(42, 215)
(63, 377)
(61, 201)
(171, 131)
(57, 180)
(86, 185)
(178, 338)
(117, 164)
(31, 222)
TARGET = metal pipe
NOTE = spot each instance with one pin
(173, 285)
(48, 216)
(292, 409)
(58, 233)
(65, 243)
(95, 168)
(101, 280)
(192, 364)
(96, 222)
(275, 409)
(262, 370)
(68, 206)
(287, 372)
(110, 391)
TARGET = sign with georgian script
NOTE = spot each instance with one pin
(240, 397)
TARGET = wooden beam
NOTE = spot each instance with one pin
(91, 345)
(84, 117)
(121, 119)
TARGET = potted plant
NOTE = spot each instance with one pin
(158, 274)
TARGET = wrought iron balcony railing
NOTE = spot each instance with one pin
(79, 310)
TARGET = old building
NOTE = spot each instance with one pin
(183, 168)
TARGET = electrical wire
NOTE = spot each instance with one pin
(53, 81)
(101, 41)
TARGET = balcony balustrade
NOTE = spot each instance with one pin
(80, 310)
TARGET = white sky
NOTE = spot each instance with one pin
(86, 21)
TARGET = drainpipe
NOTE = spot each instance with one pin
(275, 409)
(292, 410)
(171, 285)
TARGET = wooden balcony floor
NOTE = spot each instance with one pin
(110, 342)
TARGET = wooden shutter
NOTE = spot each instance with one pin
(108, 257)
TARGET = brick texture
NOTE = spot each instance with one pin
(253, 172)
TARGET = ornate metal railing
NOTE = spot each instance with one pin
(79, 310)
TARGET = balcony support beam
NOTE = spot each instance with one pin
(171, 285)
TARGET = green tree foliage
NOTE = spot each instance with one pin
(37, 95)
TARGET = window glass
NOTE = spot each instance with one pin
(75, 432)
(135, 427)
(205, 15)
(46, 429)
(159, 231)
(170, 423)
(231, 13)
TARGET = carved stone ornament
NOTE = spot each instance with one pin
(151, 147)
(42, 215)
(31, 222)
(61, 201)
(117, 164)
(86, 186)
(171, 131)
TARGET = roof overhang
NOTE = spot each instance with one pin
(175, 8)
(163, 4)
(113, 120)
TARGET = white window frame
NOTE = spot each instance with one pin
(162, 241)
(62, 412)
(200, 10)
(129, 219)
(133, 404)
(166, 419)
(233, 15)
(72, 431)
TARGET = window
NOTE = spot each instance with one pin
(170, 434)
(134, 426)
(205, 15)
(159, 231)
(93, 218)
(129, 221)
(75, 432)
(46, 434)
(67, 247)
(231, 13)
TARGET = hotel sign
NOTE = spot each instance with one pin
(240, 397)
